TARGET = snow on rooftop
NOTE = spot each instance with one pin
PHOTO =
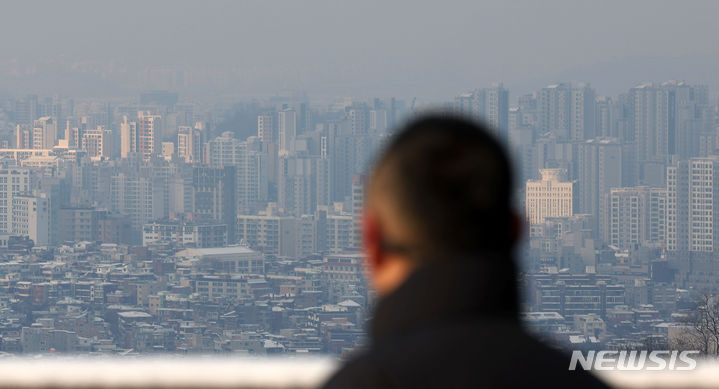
(531, 316)
(230, 250)
(348, 303)
(135, 314)
(272, 344)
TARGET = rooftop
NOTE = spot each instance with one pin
(198, 252)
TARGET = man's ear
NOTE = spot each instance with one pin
(372, 239)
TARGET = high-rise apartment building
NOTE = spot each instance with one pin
(26, 110)
(23, 137)
(148, 134)
(31, 218)
(341, 233)
(550, 196)
(358, 196)
(583, 115)
(141, 136)
(651, 107)
(665, 120)
(13, 182)
(693, 205)
(358, 117)
(128, 138)
(598, 169)
(97, 143)
(378, 121)
(190, 144)
(302, 184)
(567, 111)
(348, 155)
(553, 107)
(266, 127)
(278, 235)
(489, 105)
(286, 129)
(637, 217)
(44, 134)
(251, 164)
(139, 197)
(214, 198)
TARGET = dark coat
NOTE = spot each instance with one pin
(455, 325)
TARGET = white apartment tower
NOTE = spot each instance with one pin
(13, 182)
(97, 143)
(637, 217)
(266, 128)
(31, 218)
(693, 205)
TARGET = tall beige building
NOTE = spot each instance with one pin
(97, 143)
(44, 135)
(551, 196)
(148, 129)
(128, 138)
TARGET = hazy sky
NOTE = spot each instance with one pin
(365, 47)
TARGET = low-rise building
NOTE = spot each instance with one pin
(184, 233)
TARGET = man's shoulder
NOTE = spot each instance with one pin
(359, 372)
(460, 354)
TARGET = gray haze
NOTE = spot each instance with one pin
(430, 49)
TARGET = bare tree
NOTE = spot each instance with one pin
(702, 327)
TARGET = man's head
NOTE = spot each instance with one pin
(440, 191)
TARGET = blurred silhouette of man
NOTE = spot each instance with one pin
(438, 234)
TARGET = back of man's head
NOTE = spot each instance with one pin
(450, 182)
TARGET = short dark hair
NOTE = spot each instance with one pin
(451, 180)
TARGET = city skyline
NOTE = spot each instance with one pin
(156, 224)
(201, 193)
